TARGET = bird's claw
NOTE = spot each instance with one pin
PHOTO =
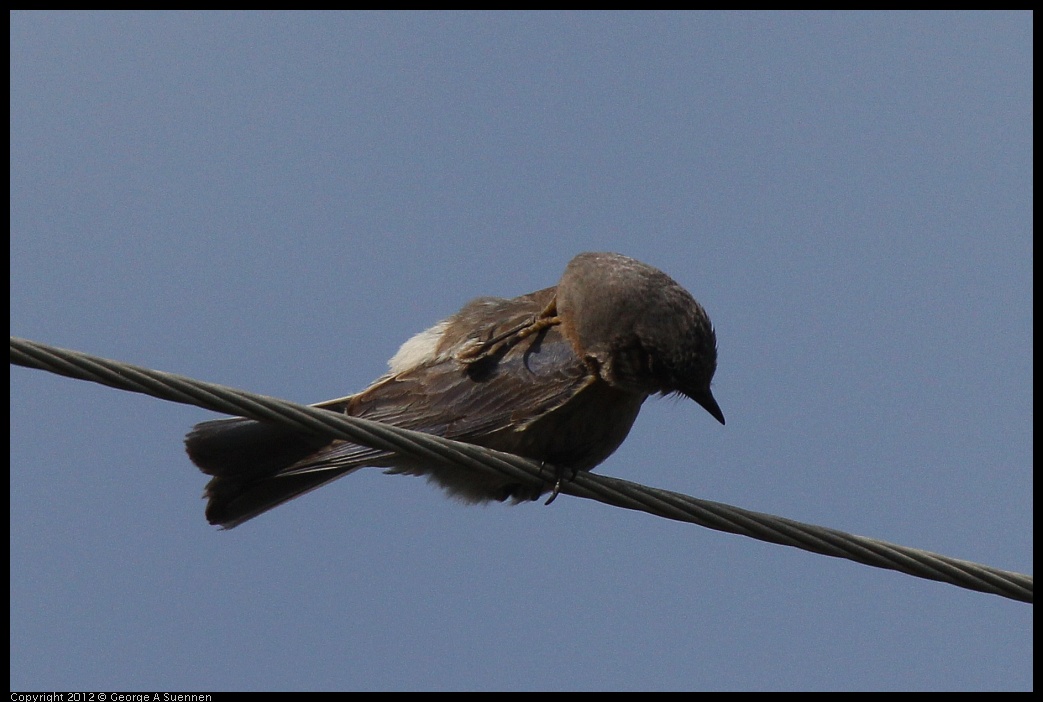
(476, 350)
(559, 474)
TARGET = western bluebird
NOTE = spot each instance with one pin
(557, 376)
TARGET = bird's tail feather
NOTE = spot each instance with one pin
(246, 459)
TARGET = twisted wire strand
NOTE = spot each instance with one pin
(612, 491)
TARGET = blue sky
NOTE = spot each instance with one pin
(277, 201)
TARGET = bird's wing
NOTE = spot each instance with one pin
(483, 402)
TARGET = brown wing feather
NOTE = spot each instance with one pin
(488, 404)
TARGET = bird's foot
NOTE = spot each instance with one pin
(501, 343)
(559, 476)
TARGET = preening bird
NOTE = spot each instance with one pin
(557, 375)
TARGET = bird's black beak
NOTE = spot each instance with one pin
(708, 403)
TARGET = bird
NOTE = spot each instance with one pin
(557, 375)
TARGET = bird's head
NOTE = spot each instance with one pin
(644, 332)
